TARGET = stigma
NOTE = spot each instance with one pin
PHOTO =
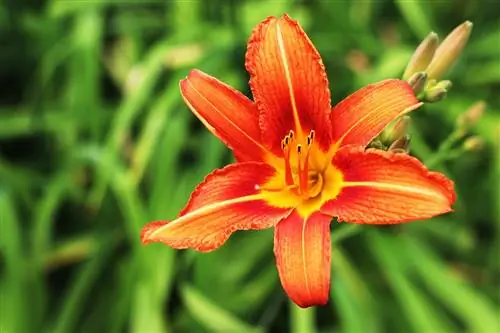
(296, 153)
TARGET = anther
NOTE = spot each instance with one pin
(299, 148)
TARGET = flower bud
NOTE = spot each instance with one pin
(417, 81)
(401, 145)
(422, 55)
(377, 144)
(473, 143)
(448, 52)
(471, 116)
(445, 84)
(396, 130)
(438, 91)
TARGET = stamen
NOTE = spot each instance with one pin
(302, 180)
(286, 154)
(304, 167)
(303, 151)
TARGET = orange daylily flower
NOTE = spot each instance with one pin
(300, 162)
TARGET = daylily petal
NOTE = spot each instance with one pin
(364, 114)
(226, 112)
(302, 249)
(288, 82)
(381, 187)
(226, 201)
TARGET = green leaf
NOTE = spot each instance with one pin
(419, 310)
(351, 296)
(212, 317)
(416, 17)
(460, 297)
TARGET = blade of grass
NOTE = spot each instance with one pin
(44, 217)
(421, 314)
(128, 110)
(482, 45)
(459, 297)
(353, 296)
(212, 317)
(347, 310)
(154, 268)
(483, 73)
(13, 292)
(85, 65)
(125, 288)
(257, 291)
(83, 282)
(344, 232)
(416, 17)
(70, 251)
(20, 123)
(153, 127)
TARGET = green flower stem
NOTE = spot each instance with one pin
(445, 151)
(302, 320)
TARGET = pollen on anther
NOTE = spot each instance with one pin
(299, 148)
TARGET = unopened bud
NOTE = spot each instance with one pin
(417, 81)
(437, 92)
(448, 52)
(435, 95)
(471, 116)
(377, 144)
(473, 143)
(422, 56)
(445, 84)
(401, 145)
(396, 130)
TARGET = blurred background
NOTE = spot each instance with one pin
(95, 142)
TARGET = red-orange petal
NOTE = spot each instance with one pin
(226, 112)
(364, 114)
(302, 249)
(288, 82)
(226, 201)
(381, 187)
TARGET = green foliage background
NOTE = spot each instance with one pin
(95, 142)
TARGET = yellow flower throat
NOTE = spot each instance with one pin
(305, 178)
